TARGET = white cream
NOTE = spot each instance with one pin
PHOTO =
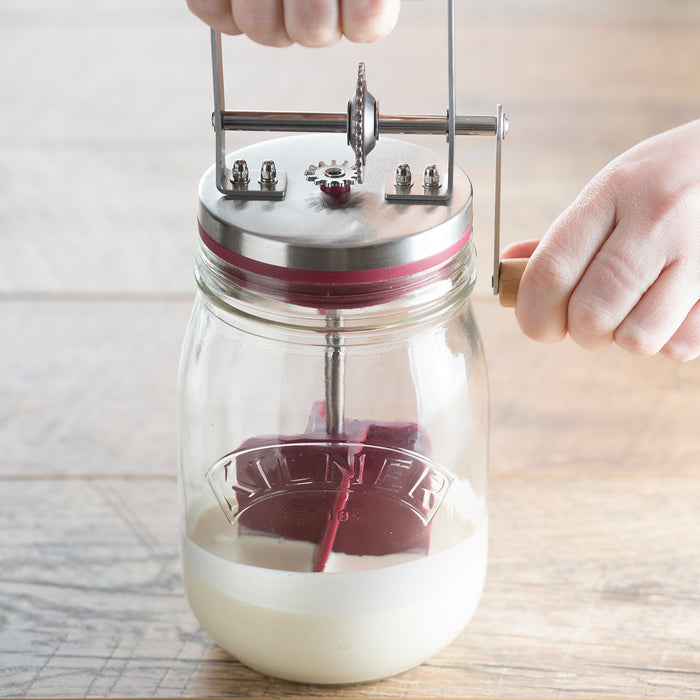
(363, 619)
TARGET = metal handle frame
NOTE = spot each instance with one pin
(452, 125)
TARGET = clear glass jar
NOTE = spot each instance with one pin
(333, 448)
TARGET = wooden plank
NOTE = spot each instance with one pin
(638, 414)
(88, 387)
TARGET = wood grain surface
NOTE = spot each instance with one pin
(593, 586)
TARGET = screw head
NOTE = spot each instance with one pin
(403, 176)
(431, 177)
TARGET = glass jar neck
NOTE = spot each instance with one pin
(306, 303)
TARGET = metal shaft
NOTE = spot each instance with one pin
(336, 122)
(334, 376)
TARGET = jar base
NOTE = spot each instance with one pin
(340, 632)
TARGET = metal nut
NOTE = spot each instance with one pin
(431, 177)
(239, 172)
(268, 172)
(403, 176)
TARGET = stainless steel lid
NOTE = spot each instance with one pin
(313, 231)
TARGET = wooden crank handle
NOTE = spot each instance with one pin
(510, 272)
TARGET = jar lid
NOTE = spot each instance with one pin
(312, 235)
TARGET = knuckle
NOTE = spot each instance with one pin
(617, 267)
(263, 29)
(589, 317)
(637, 341)
(677, 198)
(598, 304)
(685, 343)
(617, 177)
(550, 268)
(672, 216)
(613, 180)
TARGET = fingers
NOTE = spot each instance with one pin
(559, 262)
(622, 263)
(262, 21)
(369, 20)
(624, 270)
(684, 344)
(521, 249)
(653, 321)
(312, 23)
(216, 13)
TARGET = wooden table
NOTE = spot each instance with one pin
(593, 586)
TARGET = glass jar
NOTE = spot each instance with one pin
(333, 425)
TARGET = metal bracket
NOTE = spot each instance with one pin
(224, 181)
(451, 125)
(429, 197)
(501, 131)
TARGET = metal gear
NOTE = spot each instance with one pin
(358, 125)
(363, 122)
(332, 176)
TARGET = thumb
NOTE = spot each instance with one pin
(521, 249)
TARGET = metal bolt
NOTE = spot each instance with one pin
(506, 127)
(239, 172)
(268, 172)
(431, 177)
(403, 175)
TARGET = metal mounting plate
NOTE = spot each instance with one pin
(254, 189)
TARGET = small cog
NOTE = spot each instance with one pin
(332, 176)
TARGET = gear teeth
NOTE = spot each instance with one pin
(332, 174)
(359, 121)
